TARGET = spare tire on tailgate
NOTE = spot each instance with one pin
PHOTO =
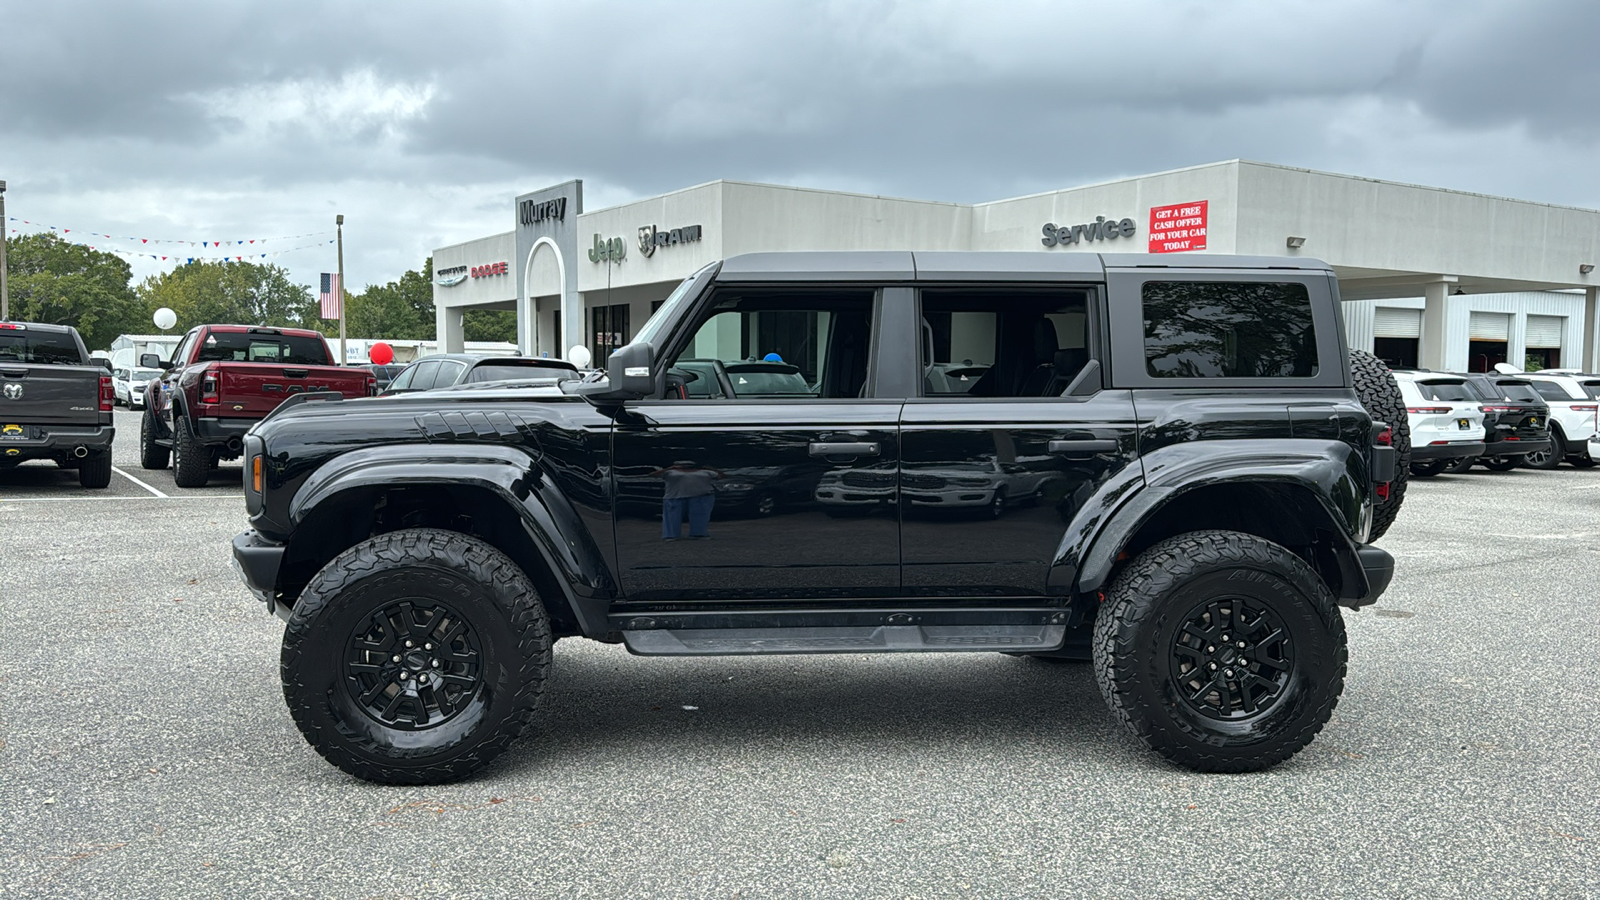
(1380, 394)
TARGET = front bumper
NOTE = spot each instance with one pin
(55, 440)
(1452, 450)
(257, 561)
(1379, 567)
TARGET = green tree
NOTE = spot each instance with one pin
(54, 281)
(400, 310)
(233, 293)
(489, 325)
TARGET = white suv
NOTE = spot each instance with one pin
(1445, 417)
(1573, 415)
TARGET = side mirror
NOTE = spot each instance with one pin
(152, 361)
(629, 375)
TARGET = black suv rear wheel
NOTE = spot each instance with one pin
(415, 657)
(1221, 651)
(1380, 394)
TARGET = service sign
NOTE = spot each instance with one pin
(1179, 227)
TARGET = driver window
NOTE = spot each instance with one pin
(776, 345)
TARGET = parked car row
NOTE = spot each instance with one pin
(1500, 420)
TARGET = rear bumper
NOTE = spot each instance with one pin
(221, 431)
(55, 440)
(1516, 448)
(1452, 450)
(257, 561)
(1379, 568)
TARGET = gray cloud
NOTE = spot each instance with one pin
(419, 121)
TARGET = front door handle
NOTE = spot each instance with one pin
(1082, 447)
(844, 448)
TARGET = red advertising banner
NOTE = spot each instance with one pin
(1179, 227)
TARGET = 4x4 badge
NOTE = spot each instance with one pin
(13, 391)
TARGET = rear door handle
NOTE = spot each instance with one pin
(14, 373)
(1083, 447)
(844, 448)
(296, 373)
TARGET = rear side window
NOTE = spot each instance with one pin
(1549, 390)
(241, 346)
(1446, 391)
(1592, 388)
(506, 371)
(45, 348)
(1197, 329)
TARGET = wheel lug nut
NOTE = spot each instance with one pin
(1211, 648)
(1241, 645)
(1227, 673)
(427, 646)
(436, 664)
(396, 657)
(1213, 667)
(409, 644)
(1224, 637)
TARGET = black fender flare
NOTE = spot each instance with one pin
(1331, 471)
(553, 526)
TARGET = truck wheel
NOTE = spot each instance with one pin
(191, 461)
(94, 470)
(1378, 392)
(415, 657)
(1548, 459)
(1503, 463)
(1221, 651)
(151, 454)
(1428, 469)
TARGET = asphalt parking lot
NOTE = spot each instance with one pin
(145, 749)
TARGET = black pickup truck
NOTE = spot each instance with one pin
(1170, 466)
(55, 402)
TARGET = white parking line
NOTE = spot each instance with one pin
(140, 483)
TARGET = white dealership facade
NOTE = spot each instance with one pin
(1438, 278)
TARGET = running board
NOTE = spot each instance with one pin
(878, 639)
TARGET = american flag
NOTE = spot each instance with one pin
(332, 297)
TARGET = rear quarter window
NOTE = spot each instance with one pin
(1446, 391)
(1197, 329)
(45, 348)
(1550, 390)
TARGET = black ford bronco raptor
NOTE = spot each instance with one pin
(1169, 466)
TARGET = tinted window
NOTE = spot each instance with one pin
(1003, 343)
(422, 374)
(1520, 391)
(1549, 390)
(1592, 388)
(142, 377)
(768, 379)
(788, 343)
(449, 373)
(1447, 391)
(46, 348)
(1195, 329)
(242, 346)
(403, 380)
(507, 371)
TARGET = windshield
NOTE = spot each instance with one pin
(47, 348)
(258, 347)
(506, 371)
(659, 319)
(143, 376)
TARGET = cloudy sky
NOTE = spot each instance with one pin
(420, 121)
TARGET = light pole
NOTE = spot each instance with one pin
(5, 298)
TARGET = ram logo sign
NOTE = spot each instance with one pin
(651, 237)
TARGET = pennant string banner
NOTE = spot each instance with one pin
(178, 256)
(206, 243)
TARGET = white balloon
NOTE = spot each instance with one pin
(579, 356)
(165, 318)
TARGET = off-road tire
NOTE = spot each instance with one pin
(1380, 394)
(191, 460)
(1206, 573)
(151, 454)
(1548, 459)
(500, 610)
(94, 470)
(1501, 463)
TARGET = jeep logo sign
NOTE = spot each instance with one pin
(1100, 229)
(610, 250)
(651, 237)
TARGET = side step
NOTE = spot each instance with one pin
(862, 639)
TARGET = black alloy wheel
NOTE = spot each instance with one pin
(415, 657)
(766, 505)
(1550, 458)
(1221, 651)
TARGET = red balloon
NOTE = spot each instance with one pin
(380, 353)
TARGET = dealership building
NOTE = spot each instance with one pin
(1437, 278)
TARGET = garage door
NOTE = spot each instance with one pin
(1488, 326)
(1390, 322)
(1545, 332)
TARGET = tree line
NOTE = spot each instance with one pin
(58, 282)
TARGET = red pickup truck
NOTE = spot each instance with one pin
(223, 379)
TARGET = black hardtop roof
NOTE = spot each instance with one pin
(975, 265)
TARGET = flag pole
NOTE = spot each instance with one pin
(338, 221)
(5, 299)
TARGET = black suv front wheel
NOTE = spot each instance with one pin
(1221, 651)
(415, 657)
